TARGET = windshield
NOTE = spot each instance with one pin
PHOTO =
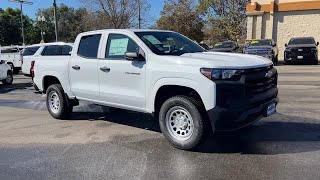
(30, 51)
(302, 41)
(168, 43)
(265, 42)
(223, 45)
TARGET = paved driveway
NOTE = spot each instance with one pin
(127, 145)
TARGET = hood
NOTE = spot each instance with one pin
(301, 46)
(223, 60)
(259, 48)
(221, 49)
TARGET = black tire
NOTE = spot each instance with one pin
(276, 60)
(9, 79)
(192, 108)
(61, 109)
(16, 70)
(316, 62)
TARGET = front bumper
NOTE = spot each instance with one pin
(236, 108)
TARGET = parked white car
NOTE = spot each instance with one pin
(43, 51)
(5, 73)
(12, 56)
(190, 90)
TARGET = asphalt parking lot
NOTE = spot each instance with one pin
(94, 144)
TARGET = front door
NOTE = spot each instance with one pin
(122, 82)
(84, 79)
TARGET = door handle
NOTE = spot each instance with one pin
(76, 67)
(105, 69)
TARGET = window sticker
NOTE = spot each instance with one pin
(118, 47)
(254, 42)
(152, 39)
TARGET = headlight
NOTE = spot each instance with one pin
(218, 74)
(314, 49)
(288, 50)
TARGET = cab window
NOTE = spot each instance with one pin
(89, 45)
(118, 45)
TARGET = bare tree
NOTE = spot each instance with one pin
(227, 18)
(115, 13)
(181, 16)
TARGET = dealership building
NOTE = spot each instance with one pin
(283, 19)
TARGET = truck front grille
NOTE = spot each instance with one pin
(257, 80)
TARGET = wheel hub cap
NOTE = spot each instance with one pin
(54, 102)
(179, 123)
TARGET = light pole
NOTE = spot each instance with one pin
(41, 20)
(139, 15)
(22, 26)
(55, 19)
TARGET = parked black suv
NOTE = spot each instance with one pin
(227, 46)
(301, 50)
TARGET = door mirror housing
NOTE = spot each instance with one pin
(2, 62)
(274, 44)
(317, 43)
(286, 45)
(132, 56)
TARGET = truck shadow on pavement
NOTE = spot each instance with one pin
(279, 134)
(14, 87)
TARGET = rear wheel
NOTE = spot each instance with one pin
(9, 79)
(57, 102)
(316, 61)
(181, 122)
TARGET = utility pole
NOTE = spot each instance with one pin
(22, 25)
(42, 19)
(55, 19)
(139, 15)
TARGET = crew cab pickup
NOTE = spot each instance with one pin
(48, 51)
(188, 89)
(263, 47)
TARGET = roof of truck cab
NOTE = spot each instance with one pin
(48, 44)
(126, 30)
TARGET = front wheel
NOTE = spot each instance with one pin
(181, 122)
(9, 79)
(57, 104)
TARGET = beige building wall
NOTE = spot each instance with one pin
(281, 26)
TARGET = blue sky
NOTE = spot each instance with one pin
(30, 10)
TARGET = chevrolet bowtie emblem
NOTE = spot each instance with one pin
(269, 74)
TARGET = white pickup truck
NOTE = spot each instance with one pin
(190, 90)
(12, 56)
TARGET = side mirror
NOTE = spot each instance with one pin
(131, 56)
(286, 45)
(317, 43)
(275, 44)
(2, 62)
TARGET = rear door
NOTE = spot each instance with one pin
(83, 65)
(122, 82)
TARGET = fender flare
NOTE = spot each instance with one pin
(64, 84)
(206, 97)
